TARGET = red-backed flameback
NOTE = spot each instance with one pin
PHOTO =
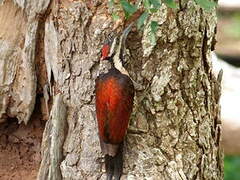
(114, 103)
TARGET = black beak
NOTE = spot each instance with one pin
(125, 32)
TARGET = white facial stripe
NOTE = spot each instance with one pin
(113, 46)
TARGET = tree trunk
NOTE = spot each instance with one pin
(175, 127)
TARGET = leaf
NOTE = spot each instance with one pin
(154, 26)
(115, 16)
(142, 19)
(111, 3)
(152, 5)
(156, 3)
(146, 4)
(153, 38)
(170, 3)
(128, 8)
(206, 4)
(153, 10)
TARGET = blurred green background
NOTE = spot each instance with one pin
(232, 168)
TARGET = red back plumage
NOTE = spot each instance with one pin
(114, 102)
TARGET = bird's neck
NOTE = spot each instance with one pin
(116, 55)
(117, 63)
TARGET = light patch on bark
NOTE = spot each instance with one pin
(52, 143)
(27, 90)
(160, 17)
(86, 149)
(50, 50)
(32, 8)
(104, 67)
(11, 44)
(18, 45)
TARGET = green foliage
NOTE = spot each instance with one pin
(111, 3)
(156, 3)
(206, 4)
(115, 16)
(151, 7)
(233, 28)
(231, 168)
(128, 8)
(170, 4)
(154, 27)
(142, 19)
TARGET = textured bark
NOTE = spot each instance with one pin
(52, 143)
(175, 128)
(17, 57)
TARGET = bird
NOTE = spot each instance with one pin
(114, 103)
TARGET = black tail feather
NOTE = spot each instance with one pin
(114, 165)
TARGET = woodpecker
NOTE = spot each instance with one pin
(114, 103)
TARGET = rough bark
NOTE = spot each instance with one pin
(18, 37)
(52, 142)
(175, 128)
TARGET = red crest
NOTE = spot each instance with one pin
(105, 51)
